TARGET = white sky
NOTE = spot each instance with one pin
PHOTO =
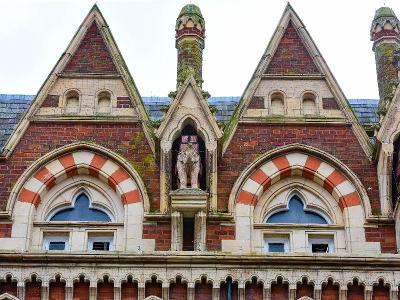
(33, 35)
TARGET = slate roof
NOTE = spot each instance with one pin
(12, 108)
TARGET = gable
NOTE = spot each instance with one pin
(92, 55)
(291, 56)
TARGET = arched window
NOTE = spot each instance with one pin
(296, 213)
(81, 211)
(277, 104)
(104, 102)
(309, 104)
(72, 102)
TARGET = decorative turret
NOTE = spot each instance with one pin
(190, 43)
(385, 33)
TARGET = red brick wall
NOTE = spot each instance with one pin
(5, 230)
(254, 291)
(92, 55)
(128, 140)
(355, 292)
(384, 234)
(381, 292)
(279, 291)
(8, 286)
(223, 291)
(218, 232)
(203, 291)
(33, 290)
(57, 290)
(81, 290)
(178, 291)
(105, 290)
(330, 292)
(291, 57)
(161, 231)
(129, 290)
(252, 140)
(304, 290)
(153, 288)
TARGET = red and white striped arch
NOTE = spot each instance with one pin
(80, 162)
(298, 164)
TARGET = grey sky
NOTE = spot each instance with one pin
(33, 35)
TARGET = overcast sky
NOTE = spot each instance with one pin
(33, 35)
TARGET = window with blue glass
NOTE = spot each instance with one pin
(81, 211)
(296, 213)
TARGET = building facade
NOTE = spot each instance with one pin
(288, 192)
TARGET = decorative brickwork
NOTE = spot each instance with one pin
(124, 102)
(51, 101)
(384, 234)
(203, 291)
(33, 290)
(161, 232)
(105, 290)
(5, 230)
(92, 55)
(218, 232)
(291, 56)
(252, 140)
(223, 292)
(178, 291)
(129, 290)
(304, 290)
(153, 288)
(256, 103)
(330, 103)
(8, 286)
(254, 291)
(81, 289)
(279, 291)
(57, 290)
(127, 140)
(330, 291)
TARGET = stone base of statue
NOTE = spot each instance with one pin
(188, 201)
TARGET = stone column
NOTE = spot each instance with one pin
(190, 291)
(267, 293)
(292, 291)
(342, 293)
(21, 290)
(93, 291)
(69, 293)
(241, 291)
(200, 225)
(176, 231)
(44, 291)
(117, 292)
(215, 293)
(165, 291)
(141, 291)
(368, 293)
(317, 293)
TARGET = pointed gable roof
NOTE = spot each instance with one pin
(281, 60)
(291, 56)
(92, 55)
(102, 58)
(193, 107)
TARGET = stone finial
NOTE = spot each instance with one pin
(385, 25)
(190, 29)
(385, 33)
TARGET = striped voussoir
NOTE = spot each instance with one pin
(299, 164)
(80, 162)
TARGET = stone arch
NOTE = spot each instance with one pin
(79, 158)
(7, 296)
(304, 161)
